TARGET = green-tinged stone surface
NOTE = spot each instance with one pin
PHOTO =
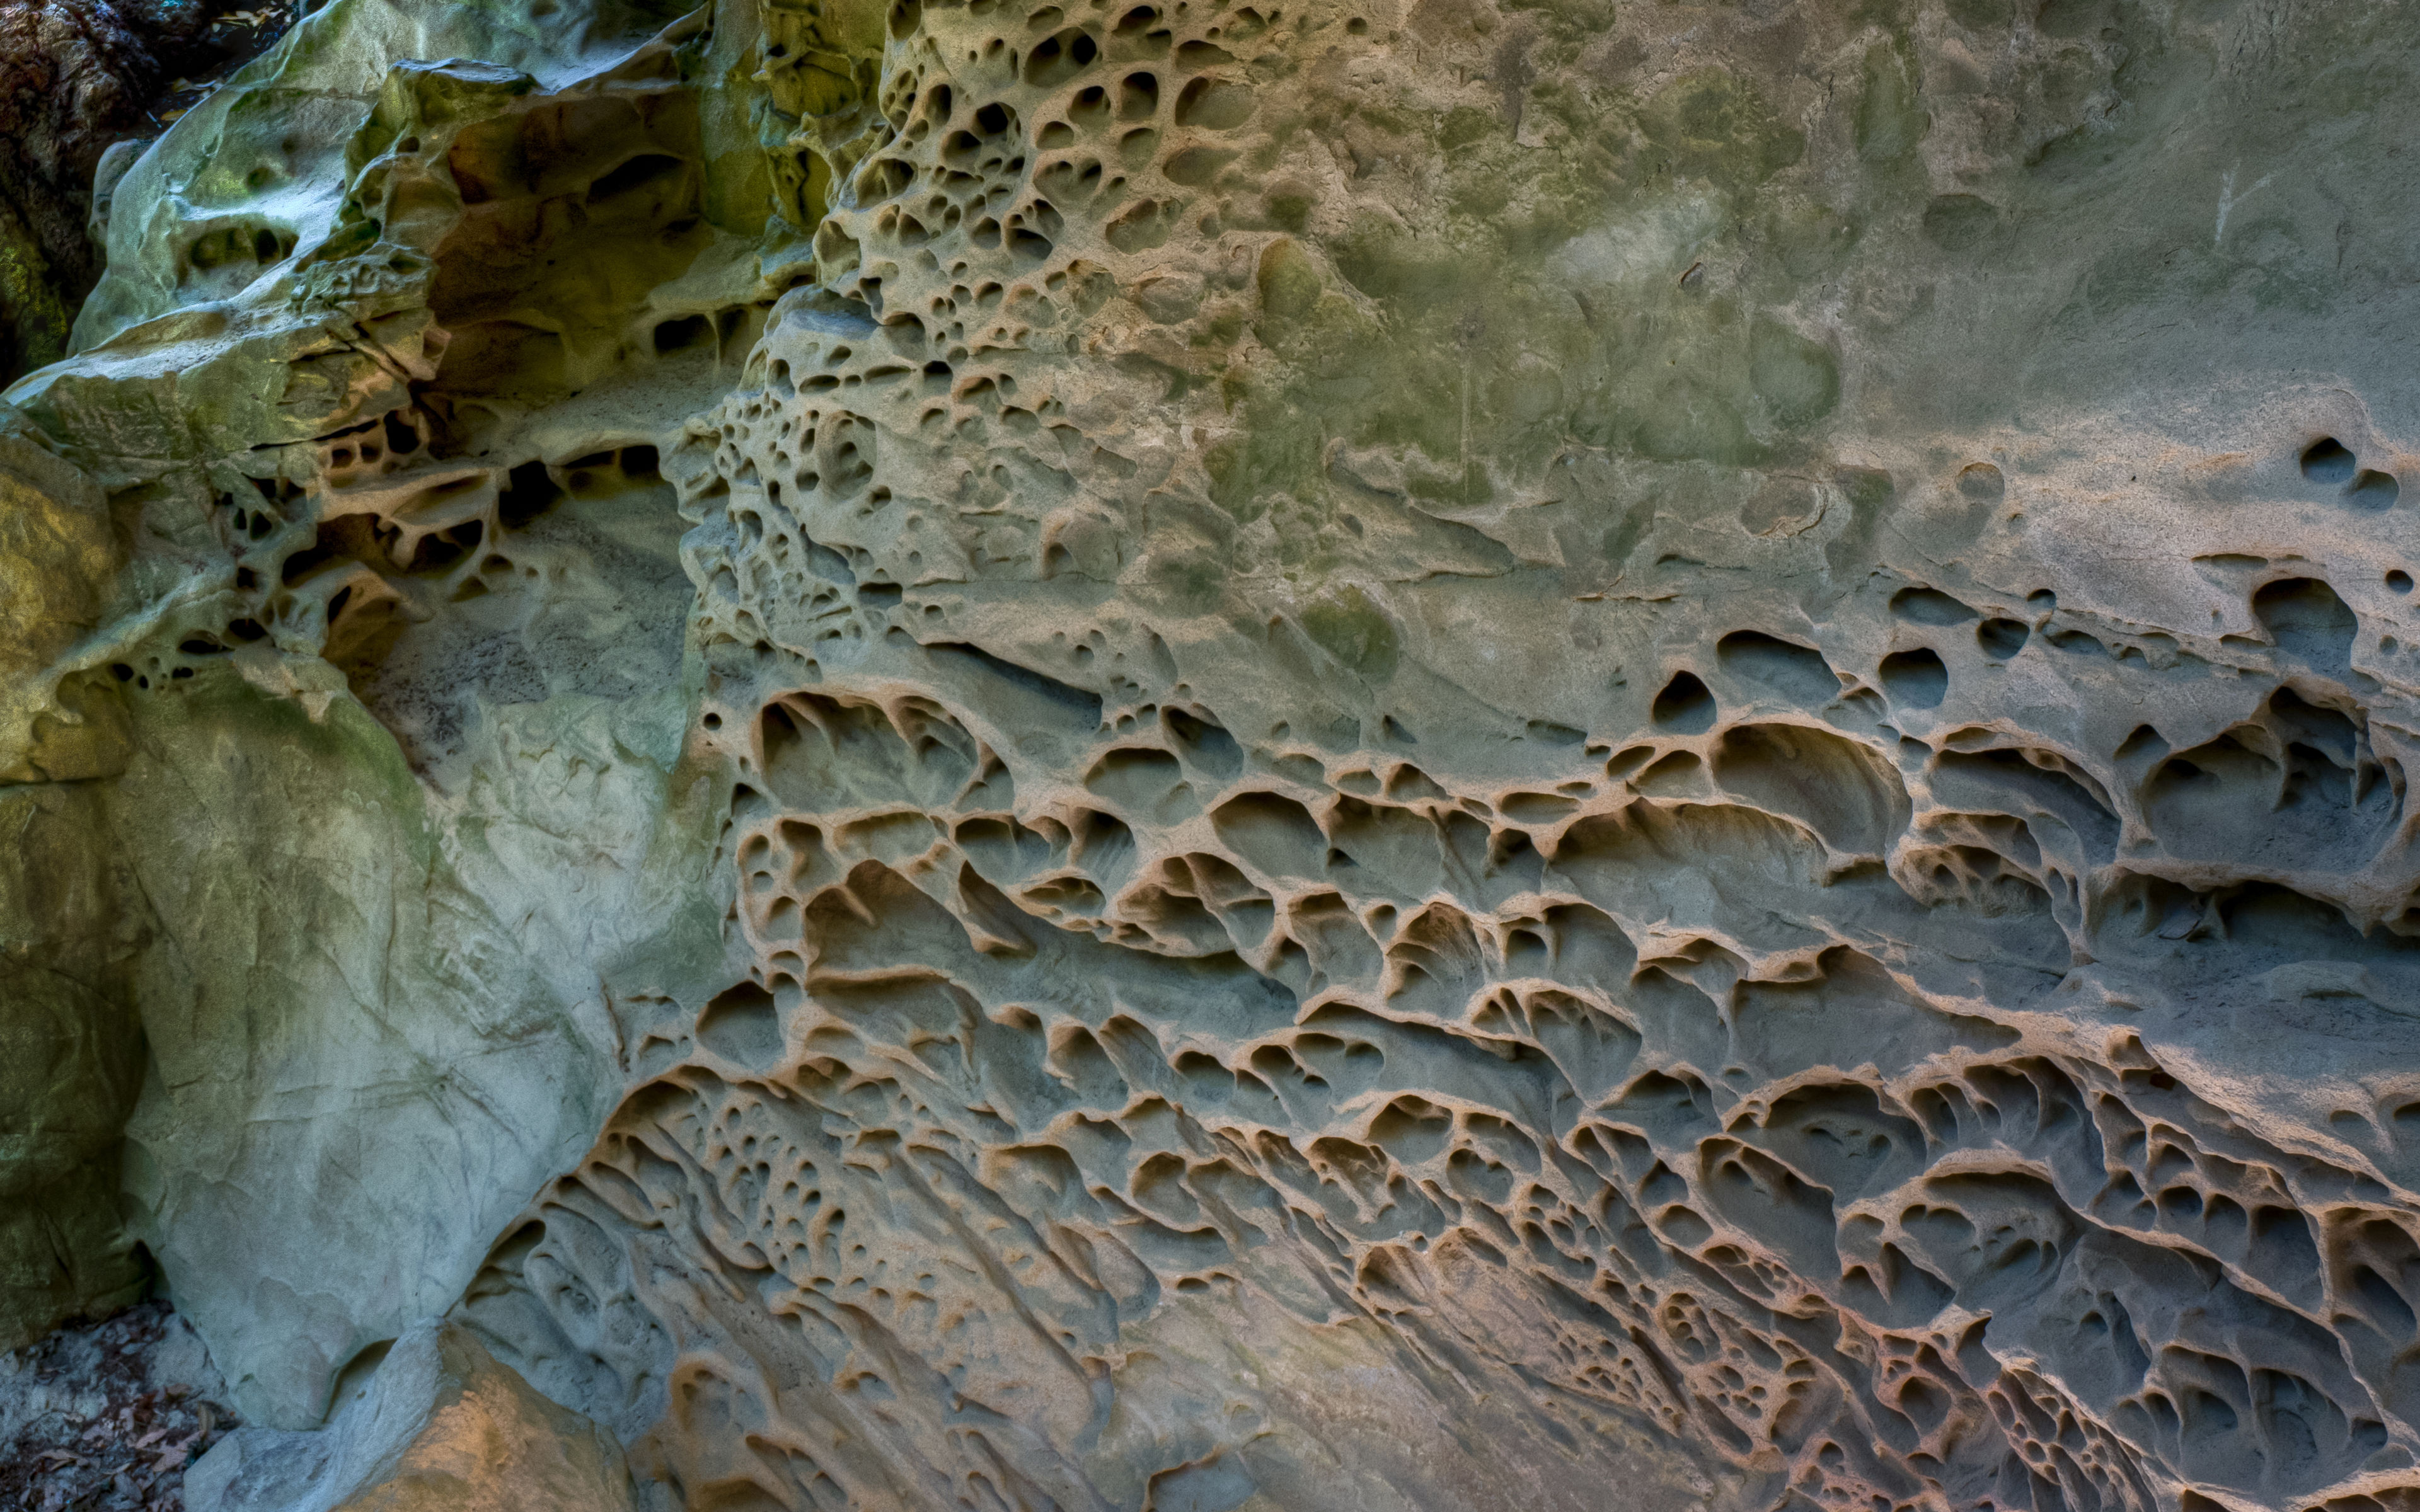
(70, 1059)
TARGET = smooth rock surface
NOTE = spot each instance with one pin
(1201, 755)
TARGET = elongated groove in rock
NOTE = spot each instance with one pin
(1326, 756)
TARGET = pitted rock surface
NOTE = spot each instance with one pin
(1190, 754)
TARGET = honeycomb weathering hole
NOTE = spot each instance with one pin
(2328, 460)
(1685, 706)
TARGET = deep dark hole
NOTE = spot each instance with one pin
(301, 563)
(682, 333)
(529, 491)
(747, 994)
(1685, 705)
(2327, 460)
(400, 437)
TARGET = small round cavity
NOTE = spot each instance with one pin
(2328, 460)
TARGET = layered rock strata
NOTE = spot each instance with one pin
(1204, 755)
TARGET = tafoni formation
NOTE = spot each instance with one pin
(1239, 754)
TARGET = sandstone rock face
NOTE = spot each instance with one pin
(71, 924)
(439, 1426)
(1196, 754)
